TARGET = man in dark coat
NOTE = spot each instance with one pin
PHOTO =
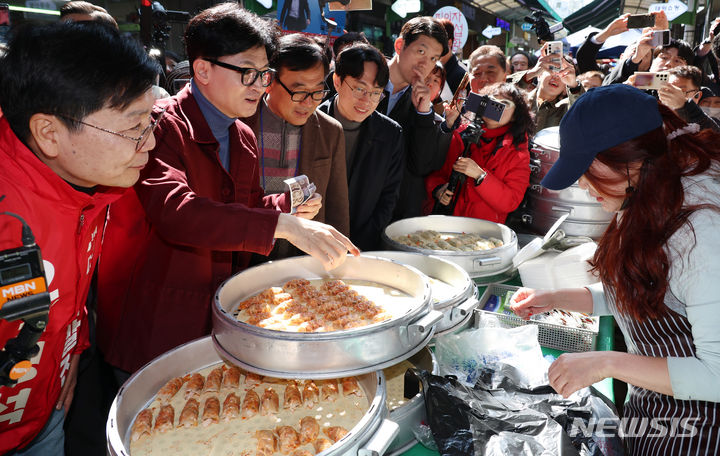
(454, 70)
(373, 142)
(421, 43)
(295, 15)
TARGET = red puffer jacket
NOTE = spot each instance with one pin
(68, 226)
(502, 190)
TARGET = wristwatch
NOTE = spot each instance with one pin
(480, 178)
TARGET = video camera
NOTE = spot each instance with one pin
(540, 26)
(484, 106)
(23, 296)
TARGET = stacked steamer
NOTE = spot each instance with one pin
(544, 207)
(455, 295)
(303, 351)
(482, 248)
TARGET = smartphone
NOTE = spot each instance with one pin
(555, 47)
(484, 106)
(646, 80)
(639, 21)
(4, 22)
(660, 38)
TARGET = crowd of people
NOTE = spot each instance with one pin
(143, 203)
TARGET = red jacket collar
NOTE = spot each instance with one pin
(26, 170)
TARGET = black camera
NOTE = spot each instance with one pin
(484, 106)
(540, 26)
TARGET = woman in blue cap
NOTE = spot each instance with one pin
(658, 261)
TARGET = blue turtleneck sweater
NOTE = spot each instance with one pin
(218, 122)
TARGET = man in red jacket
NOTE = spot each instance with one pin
(72, 132)
(198, 210)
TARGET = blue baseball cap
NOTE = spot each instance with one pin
(600, 119)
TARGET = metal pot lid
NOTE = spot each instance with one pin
(548, 138)
(322, 374)
(324, 354)
(455, 285)
(450, 224)
(537, 246)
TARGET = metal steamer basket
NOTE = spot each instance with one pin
(456, 309)
(370, 437)
(485, 266)
(544, 207)
(321, 355)
(412, 414)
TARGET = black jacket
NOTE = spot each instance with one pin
(455, 72)
(303, 11)
(374, 177)
(587, 55)
(620, 72)
(426, 147)
(692, 113)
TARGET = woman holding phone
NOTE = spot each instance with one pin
(497, 168)
(658, 263)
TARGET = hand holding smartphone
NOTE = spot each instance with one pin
(660, 38)
(650, 81)
(640, 21)
(555, 47)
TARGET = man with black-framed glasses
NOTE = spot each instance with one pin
(294, 138)
(198, 212)
(374, 145)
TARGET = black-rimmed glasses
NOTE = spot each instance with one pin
(299, 97)
(139, 141)
(359, 93)
(248, 76)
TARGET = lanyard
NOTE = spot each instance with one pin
(262, 150)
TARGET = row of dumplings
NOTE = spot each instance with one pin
(286, 439)
(252, 404)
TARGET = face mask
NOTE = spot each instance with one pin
(712, 112)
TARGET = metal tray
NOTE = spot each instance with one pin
(550, 335)
(324, 354)
(481, 263)
(456, 308)
(370, 437)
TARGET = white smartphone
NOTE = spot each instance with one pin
(660, 38)
(646, 80)
(555, 47)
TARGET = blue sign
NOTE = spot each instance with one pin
(526, 26)
(505, 25)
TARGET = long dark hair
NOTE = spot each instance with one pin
(522, 125)
(630, 258)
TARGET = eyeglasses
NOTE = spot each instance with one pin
(299, 97)
(359, 93)
(248, 76)
(691, 92)
(140, 140)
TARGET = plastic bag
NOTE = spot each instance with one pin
(466, 354)
(497, 417)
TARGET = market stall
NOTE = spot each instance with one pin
(399, 302)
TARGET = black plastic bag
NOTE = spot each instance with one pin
(502, 416)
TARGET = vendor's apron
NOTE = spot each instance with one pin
(669, 336)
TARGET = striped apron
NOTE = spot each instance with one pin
(669, 336)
